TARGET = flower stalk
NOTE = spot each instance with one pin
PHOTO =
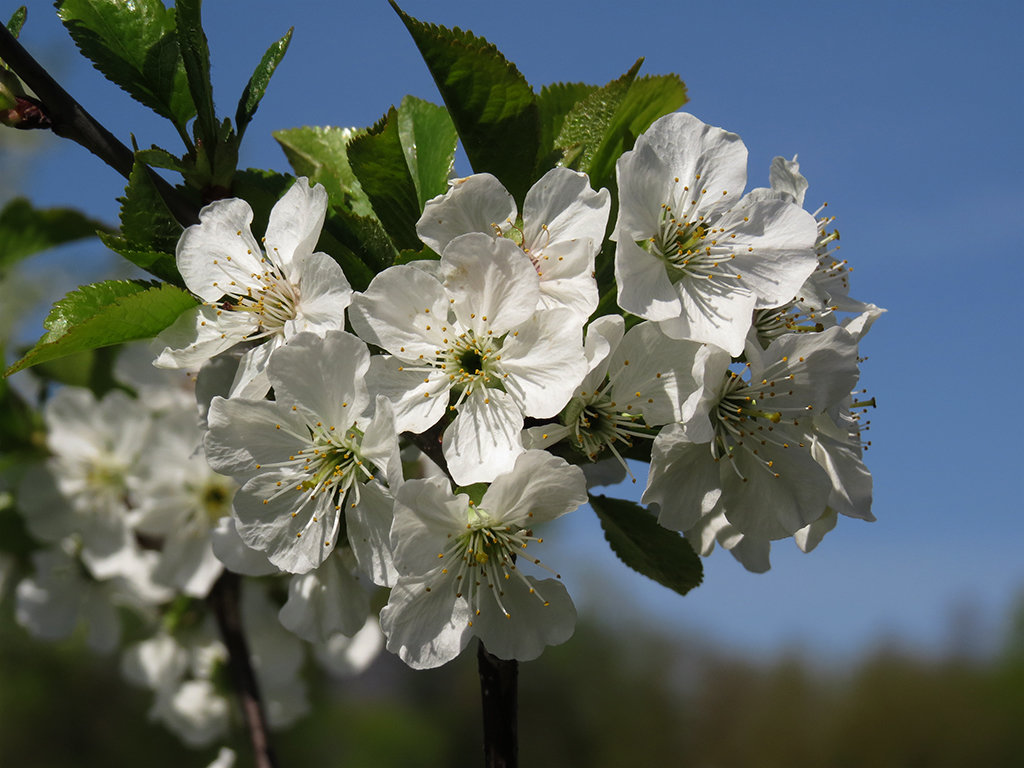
(225, 601)
(499, 697)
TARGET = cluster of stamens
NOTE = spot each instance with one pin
(483, 559)
(332, 465)
(742, 422)
(274, 300)
(688, 242)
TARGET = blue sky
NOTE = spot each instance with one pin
(907, 118)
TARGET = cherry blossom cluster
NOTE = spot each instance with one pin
(418, 435)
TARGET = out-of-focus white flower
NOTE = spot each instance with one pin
(459, 565)
(344, 656)
(263, 298)
(84, 488)
(61, 596)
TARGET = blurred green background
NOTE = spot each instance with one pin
(609, 698)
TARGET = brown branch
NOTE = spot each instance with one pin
(225, 599)
(69, 119)
(500, 702)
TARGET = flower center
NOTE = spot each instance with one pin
(473, 361)
(479, 562)
(597, 424)
(687, 242)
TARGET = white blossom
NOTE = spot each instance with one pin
(691, 254)
(561, 230)
(459, 565)
(259, 295)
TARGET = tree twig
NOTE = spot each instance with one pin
(69, 119)
(225, 601)
(500, 702)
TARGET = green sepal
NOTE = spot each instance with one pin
(378, 161)
(103, 314)
(17, 21)
(195, 55)
(641, 543)
(475, 491)
(492, 105)
(428, 139)
(25, 230)
(321, 154)
(135, 46)
(257, 85)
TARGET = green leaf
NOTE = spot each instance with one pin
(658, 553)
(195, 55)
(160, 158)
(104, 314)
(589, 121)
(378, 161)
(157, 263)
(134, 45)
(146, 222)
(257, 85)
(648, 99)
(25, 230)
(494, 108)
(17, 21)
(555, 101)
(321, 153)
(428, 139)
(359, 244)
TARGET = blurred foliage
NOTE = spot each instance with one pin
(602, 700)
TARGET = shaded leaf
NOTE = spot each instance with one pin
(365, 248)
(195, 55)
(25, 230)
(158, 263)
(135, 46)
(378, 161)
(261, 190)
(103, 314)
(145, 219)
(321, 154)
(257, 85)
(428, 139)
(493, 107)
(641, 543)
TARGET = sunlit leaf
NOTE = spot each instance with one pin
(428, 140)
(257, 85)
(494, 108)
(378, 161)
(104, 314)
(321, 154)
(135, 46)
